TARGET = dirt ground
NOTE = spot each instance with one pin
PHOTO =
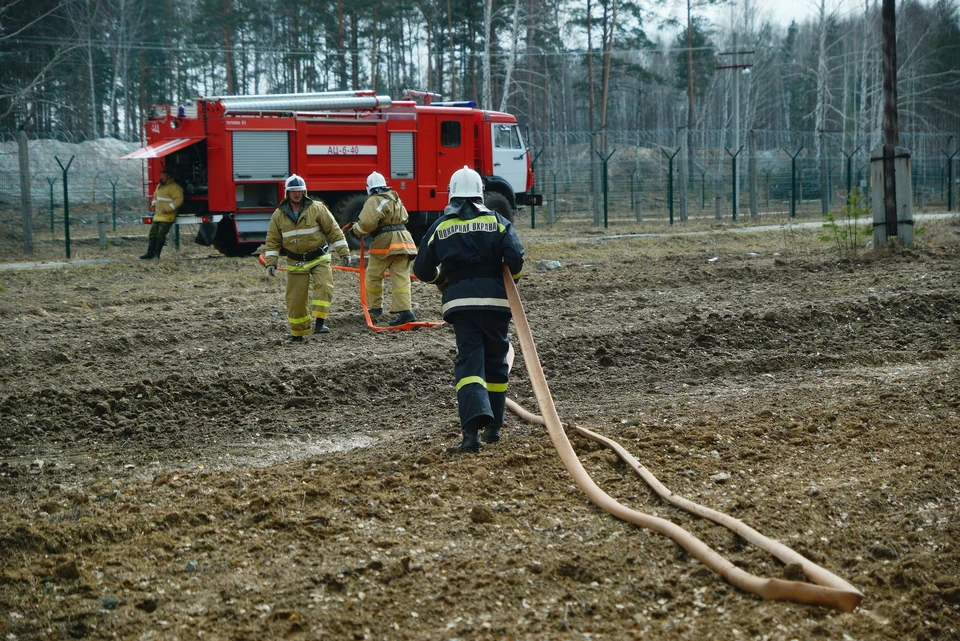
(171, 470)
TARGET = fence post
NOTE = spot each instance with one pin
(533, 208)
(752, 175)
(682, 171)
(51, 183)
(793, 181)
(849, 158)
(703, 187)
(66, 202)
(554, 207)
(26, 202)
(950, 177)
(113, 184)
(736, 189)
(605, 185)
(670, 179)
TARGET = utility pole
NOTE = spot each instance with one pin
(891, 134)
(735, 137)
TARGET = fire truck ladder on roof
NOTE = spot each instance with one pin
(304, 101)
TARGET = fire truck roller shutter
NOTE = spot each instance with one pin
(347, 210)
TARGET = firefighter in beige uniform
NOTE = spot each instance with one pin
(166, 201)
(384, 217)
(305, 232)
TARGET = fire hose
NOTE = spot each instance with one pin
(827, 590)
(361, 270)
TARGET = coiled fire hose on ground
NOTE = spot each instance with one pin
(829, 590)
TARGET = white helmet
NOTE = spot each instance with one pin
(375, 181)
(465, 183)
(295, 183)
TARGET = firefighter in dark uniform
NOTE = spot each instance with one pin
(463, 253)
(384, 217)
(305, 232)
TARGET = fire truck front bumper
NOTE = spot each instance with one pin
(535, 200)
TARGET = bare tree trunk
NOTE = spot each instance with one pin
(88, 28)
(453, 61)
(609, 29)
(823, 91)
(594, 166)
(690, 97)
(374, 53)
(511, 57)
(486, 96)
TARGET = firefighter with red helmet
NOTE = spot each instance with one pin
(166, 201)
(464, 253)
(384, 218)
(305, 232)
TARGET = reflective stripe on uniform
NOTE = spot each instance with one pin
(386, 250)
(496, 387)
(300, 232)
(308, 266)
(475, 302)
(320, 303)
(459, 226)
(468, 380)
(297, 321)
(339, 243)
(271, 253)
(435, 278)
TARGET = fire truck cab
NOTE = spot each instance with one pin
(231, 155)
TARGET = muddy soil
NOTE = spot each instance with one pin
(171, 470)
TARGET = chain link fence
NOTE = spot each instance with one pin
(641, 179)
(646, 173)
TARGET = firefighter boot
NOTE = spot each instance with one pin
(376, 311)
(405, 316)
(295, 339)
(491, 433)
(470, 441)
(321, 327)
(151, 250)
(156, 251)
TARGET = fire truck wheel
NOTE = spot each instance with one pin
(347, 210)
(497, 201)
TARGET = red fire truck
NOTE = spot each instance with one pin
(231, 155)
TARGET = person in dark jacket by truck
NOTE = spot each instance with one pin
(463, 253)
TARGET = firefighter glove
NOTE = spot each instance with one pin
(272, 270)
(345, 261)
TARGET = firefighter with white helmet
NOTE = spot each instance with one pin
(166, 201)
(305, 232)
(384, 218)
(463, 253)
